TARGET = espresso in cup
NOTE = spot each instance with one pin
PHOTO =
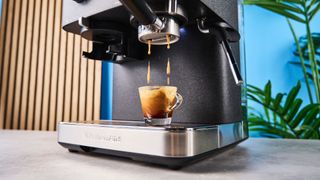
(158, 103)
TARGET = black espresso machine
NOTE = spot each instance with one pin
(205, 60)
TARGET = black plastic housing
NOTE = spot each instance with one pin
(199, 66)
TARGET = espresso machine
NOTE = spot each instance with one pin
(205, 60)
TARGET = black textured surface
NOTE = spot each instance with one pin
(226, 9)
(200, 69)
(201, 72)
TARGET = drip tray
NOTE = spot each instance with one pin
(172, 145)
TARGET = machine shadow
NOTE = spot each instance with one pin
(232, 158)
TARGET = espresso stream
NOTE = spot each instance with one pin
(168, 72)
(168, 37)
(157, 101)
(149, 47)
(168, 41)
(168, 62)
(148, 73)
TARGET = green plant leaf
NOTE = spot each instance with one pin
(289, 9)
(283, 13)
(277, 101)
(307, 132)
(290, 99)
(293, 110)
(314, 11)
(288, 114)
(267, 92)
(313, 129)
(312, 115)
(276, 4)
(302, 115)
(254, 89)
(307, 64)
(299, 2)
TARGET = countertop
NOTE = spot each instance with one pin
(36, 155)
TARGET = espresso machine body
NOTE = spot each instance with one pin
(204, 58)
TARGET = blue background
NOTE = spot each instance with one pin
(269, 46)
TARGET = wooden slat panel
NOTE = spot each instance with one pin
(75, 79)
(6, 66)
(68, 78)
(13, 63)
(47, 67)
(41, 64)
(61, 78)
(20, 62)
(83, 83)
(97, 90)
(2, 41)
(31, 65)
(54, 70)
(90, 87)
(43, 77)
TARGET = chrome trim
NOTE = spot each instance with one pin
(200, 25)
(232, 63)
(158, 24)
(229, 133)
(159, 37)
(177, 140)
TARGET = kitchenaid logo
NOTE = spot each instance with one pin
(102, 137)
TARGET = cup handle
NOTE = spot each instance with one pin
(179, 100)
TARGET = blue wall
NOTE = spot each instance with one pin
(269, 46)
(106, 91)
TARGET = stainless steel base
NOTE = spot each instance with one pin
(175, 141)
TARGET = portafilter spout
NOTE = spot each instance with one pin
(157, 27)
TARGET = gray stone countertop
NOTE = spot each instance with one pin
(36, 155)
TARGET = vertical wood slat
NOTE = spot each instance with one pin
(43, 77)
(61, 78)
(20, 52)
(97, 90)
(68, 78)
(6, 64)
(83, 83)
(90, 87)
(47, 66)
(2, 38)
(54, 71)
(2, 42)
(75, 79)
(13, 63)
(41, 63)
(31, 66)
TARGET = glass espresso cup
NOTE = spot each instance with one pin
(158, 103)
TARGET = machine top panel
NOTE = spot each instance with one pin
(140, 125)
